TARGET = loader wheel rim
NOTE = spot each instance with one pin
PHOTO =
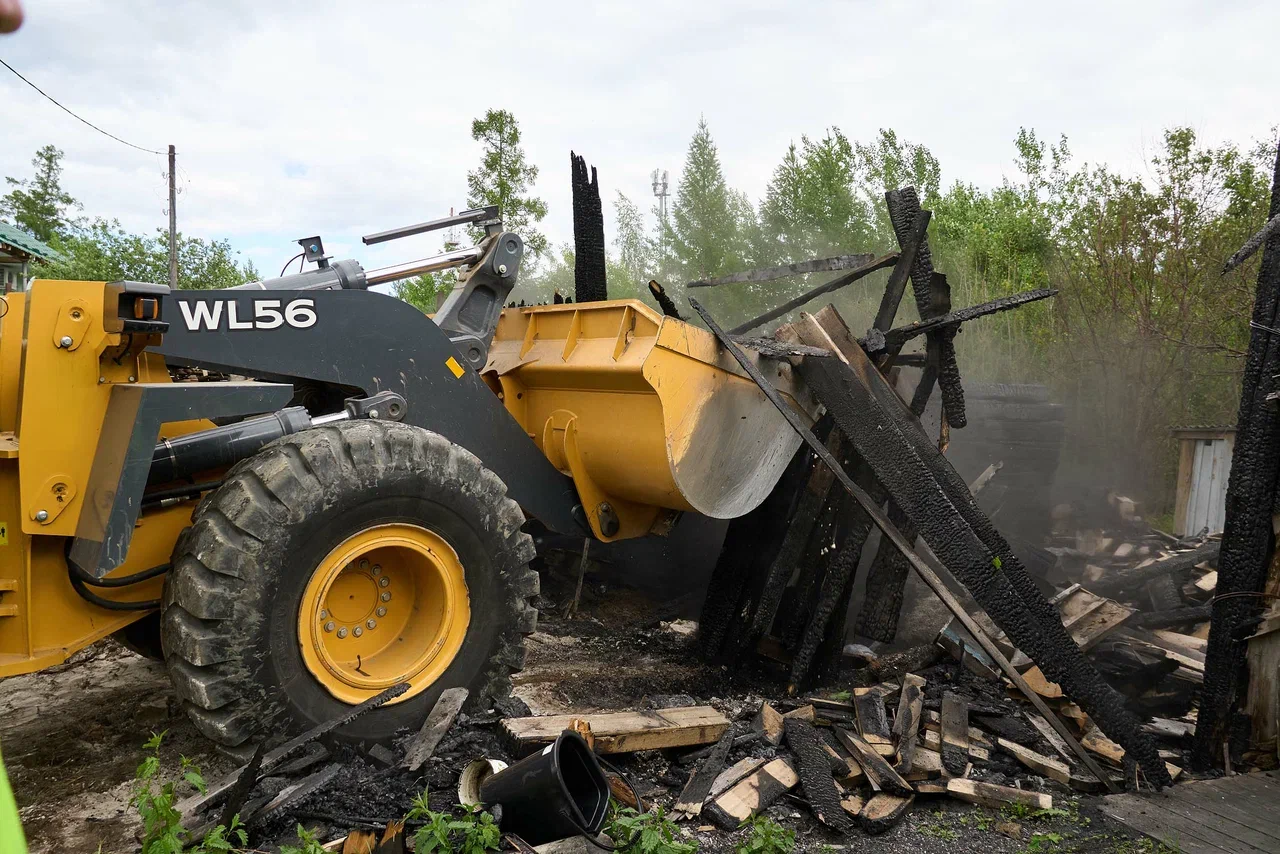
(388, 605)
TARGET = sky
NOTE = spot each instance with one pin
(340, 119)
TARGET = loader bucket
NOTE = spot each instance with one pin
(646, 413)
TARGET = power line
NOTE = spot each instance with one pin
(73, 115)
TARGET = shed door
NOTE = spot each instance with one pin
(1207, 502)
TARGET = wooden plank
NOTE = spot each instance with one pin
(769, 721)
(434, 728)
(1042, 686)
(990, 795)
(1186, 644)
(883, 811)
(926, 765)
(933, 721)
(752, 794)
(1208, 582)
(1095, 741)
(626, 732)
(804, 713)
(853, 804)
(932, 739)
(1042, 765)
(698, 787)
(1049, 735)
(1146, 814)
(1226, 802)
(906, 726)
(1170, 728)
(734, 773)
(880, 774)
(873, 724)
(955, 733)
(847, 770)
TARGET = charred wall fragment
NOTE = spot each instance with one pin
(589, 283)
(1248, 539)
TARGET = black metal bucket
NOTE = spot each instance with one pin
(556, 793)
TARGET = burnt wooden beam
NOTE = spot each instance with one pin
(873, 723)
(825, 288)
(895, 338)
(665, 302)
(698, 788)
(815, 774)
(897, 284)
(769, 274)
(880, 774)
(933, 297)
(925, 572)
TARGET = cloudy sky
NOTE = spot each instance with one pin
(335, 118)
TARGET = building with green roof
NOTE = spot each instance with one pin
(17, 250)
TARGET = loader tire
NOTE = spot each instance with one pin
(252, 646)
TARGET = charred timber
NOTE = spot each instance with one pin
(769, 274)
(934, 496)
(810, 295)
(895, 338)
(904, 210)
(589, 283)
(1247, 538)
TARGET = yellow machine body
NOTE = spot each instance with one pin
(53, 397)
(646, 413)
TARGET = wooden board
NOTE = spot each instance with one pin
(734, 773)
(698, 788)
(435, 727)
(1042, 765)
(752, 794)
(873, 723)
(1231, 814)
(906, 726)
(955, 733)
(1043, 687)
(884, 811)
(1089, 617)
(989, 795)
(1050, 735)
(926, 764)
(769, 721)
(932, 739)
(1095, 742)
(625, 732)
(879, 773)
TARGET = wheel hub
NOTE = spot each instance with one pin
(387, 605)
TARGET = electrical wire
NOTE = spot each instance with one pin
(73, 115)
(290, 261)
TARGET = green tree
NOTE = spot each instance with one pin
(704, 230)
(104, 252)
(39, 205)
(421, 291)
(635, 253)
(889, 163)
(813, 206)
(506, 179)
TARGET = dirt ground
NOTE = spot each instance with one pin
(72, 738)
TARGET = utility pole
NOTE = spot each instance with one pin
(173, 220)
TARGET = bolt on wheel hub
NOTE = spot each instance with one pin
(387, 605)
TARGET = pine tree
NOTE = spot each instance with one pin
(506, 179)
(39, 205)
(703, 232)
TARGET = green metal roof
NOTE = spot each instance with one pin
(19, 239)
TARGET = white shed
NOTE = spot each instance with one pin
(1204, 462)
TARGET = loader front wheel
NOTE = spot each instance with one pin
(336, 563)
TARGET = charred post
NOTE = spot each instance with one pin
(589, 283)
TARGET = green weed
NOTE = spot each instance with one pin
(162, 830)
(470, 830)
(647, 833)
(767, 837)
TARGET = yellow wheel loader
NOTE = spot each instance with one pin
(301, 492)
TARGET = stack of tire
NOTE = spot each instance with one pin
(1020, 426)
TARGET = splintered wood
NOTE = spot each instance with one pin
(752, 794)
(955, 734)
(906, 727)
(624, 732)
